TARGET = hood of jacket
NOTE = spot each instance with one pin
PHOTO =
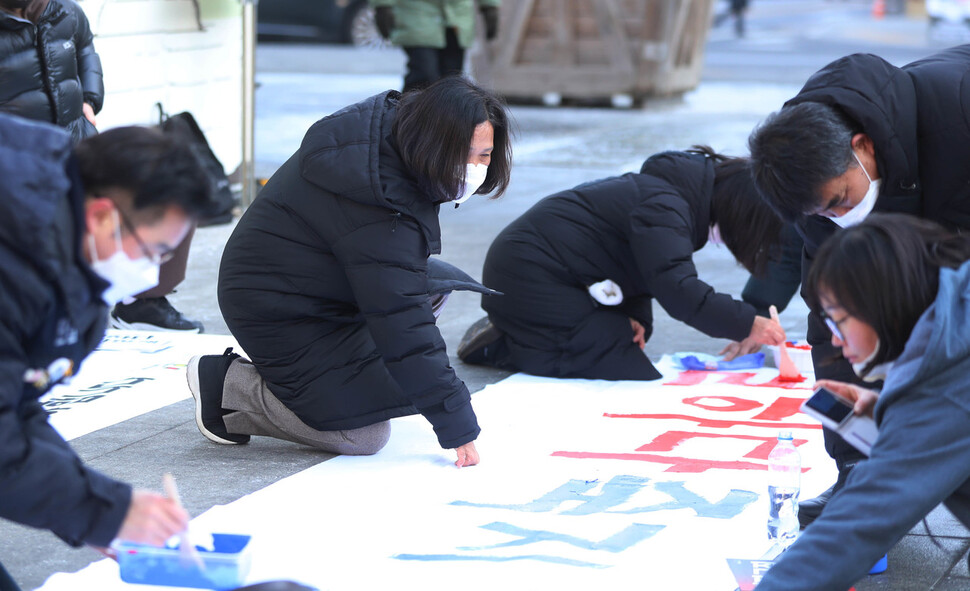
(938, 350)
(353, 155)
(33, 161)
(42, 191)
(692, 175)
(882, 99)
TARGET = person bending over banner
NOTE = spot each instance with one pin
(77, 234)
(580, 270)
(895, 294)
(327, 283)
(864, 135)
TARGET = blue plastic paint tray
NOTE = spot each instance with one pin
(226, 566)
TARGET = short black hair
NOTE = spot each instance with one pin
(160, 171)
(797, 150)
(886, 273)
(748, 226)
(434, 128)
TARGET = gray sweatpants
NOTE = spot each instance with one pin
(259, 412)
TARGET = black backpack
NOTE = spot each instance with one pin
(184, 127)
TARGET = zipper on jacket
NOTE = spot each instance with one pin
(45, 68)
(396, 216)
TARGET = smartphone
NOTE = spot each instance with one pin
(836, 413)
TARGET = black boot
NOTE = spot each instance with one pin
(809, 510)
(206, 375)
(483, 344)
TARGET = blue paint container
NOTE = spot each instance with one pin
(226, 565)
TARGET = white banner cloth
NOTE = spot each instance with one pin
(129, 374)
(582, 485)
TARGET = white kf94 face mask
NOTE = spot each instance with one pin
(863, 208)
(474, 178)
(127, 277)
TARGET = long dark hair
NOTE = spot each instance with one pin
(434, 129)
(886, 273)
(748, 226)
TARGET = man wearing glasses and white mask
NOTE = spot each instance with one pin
(79, 230)
(864, 135)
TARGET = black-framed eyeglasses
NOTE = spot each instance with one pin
(834, 324)
(155, 257)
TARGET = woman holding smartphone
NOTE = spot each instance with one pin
(895, 292)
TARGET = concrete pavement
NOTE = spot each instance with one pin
(554, 149)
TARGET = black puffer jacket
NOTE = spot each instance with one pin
(638, 230)
(325, 285)
(48, 66)
(51, 308)
(918, 117)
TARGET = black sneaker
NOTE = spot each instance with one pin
(480, 335)
(152, 314)
(206, 375)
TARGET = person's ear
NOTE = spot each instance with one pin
(864, 144)
(97, 215)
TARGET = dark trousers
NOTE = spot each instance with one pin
(430, 64)
(172, 272)
(6, 581)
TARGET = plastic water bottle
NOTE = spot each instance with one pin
(784, 481)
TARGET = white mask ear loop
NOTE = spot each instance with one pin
(868, 178)
(859, 212)
(92, 246)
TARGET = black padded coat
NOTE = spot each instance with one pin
(50, 308)
(325, 283)
(638, 230)
(48, 66)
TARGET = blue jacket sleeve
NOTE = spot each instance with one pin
(921, 457)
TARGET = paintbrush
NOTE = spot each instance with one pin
(187, 552)
(787, 372)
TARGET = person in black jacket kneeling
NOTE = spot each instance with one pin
(327, 284)
(580, 270)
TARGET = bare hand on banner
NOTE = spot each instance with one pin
(638, 333)
(745, 347)
(467, 455)
(152, 518)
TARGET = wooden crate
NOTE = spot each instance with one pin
(592, 49)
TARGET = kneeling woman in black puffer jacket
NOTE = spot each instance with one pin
(580, 270)
(327, 285)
